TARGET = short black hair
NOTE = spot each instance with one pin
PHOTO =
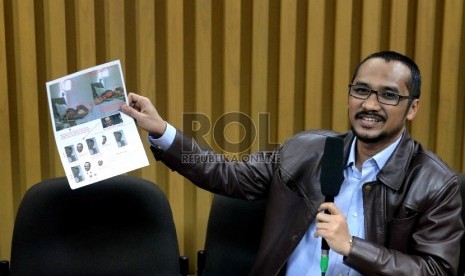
(413, 83)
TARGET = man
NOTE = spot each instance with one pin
(119, 139)
(79, 112)
(87, 166)
(109, 94)
(107, 122)
(91, 145)
(77, 174)
(70, 154)
(79, 147)
(398, 209)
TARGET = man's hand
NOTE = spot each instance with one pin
(333, 228)
(145, 114)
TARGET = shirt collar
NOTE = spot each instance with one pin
(380, 158)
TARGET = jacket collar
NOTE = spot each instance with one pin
(396, 165)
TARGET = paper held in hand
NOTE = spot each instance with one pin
(95, 140)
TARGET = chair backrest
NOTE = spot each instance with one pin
(462, 243)
(119, 226)
(233, 236)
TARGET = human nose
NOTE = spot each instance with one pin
(372, 101)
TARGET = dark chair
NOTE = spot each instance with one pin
(462, 243)
(119, 226)
(233, 236)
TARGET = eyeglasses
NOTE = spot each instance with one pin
(384, 96)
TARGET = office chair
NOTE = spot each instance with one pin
(119, 226)
(233, 236)
(461, 270)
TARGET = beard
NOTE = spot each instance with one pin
(367, 139)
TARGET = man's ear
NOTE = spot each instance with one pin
(413, 109)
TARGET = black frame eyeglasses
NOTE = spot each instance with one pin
(383, 96)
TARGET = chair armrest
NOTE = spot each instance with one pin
(4, 268)
(201, 259)
(184, 265)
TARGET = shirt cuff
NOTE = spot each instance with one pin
(164, 141)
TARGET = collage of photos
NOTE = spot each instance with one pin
(93, 137)
(86, 98)
(87, 158)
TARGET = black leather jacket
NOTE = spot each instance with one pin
(412, 211)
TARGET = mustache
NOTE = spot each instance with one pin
(372, 114)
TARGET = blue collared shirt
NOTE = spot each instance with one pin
(305, 260)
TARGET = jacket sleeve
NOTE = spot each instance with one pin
(248, 177)
(435, 243)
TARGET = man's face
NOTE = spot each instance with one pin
(375, 123)
(75, 171)
(79, 147)
(118, 136)
(87, 166)
(90, 143)
(69, 151)
(71, 114)
(107, 121)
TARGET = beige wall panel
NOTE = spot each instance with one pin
(259, 81)
(56, 64)
(146, 77)
(427, 57)
(6, 188)
(175, 61)
(176, 190)
(27, 95)
(203, 49)
(160, 94)
(85, 25)
(203, 64)
(287, 58)
(232, 74)
(372, 26)
(317, 91)
(447, 144)
(55, 38)
(115, 31)
(203, 105)
(343, 67)
(400, 23)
